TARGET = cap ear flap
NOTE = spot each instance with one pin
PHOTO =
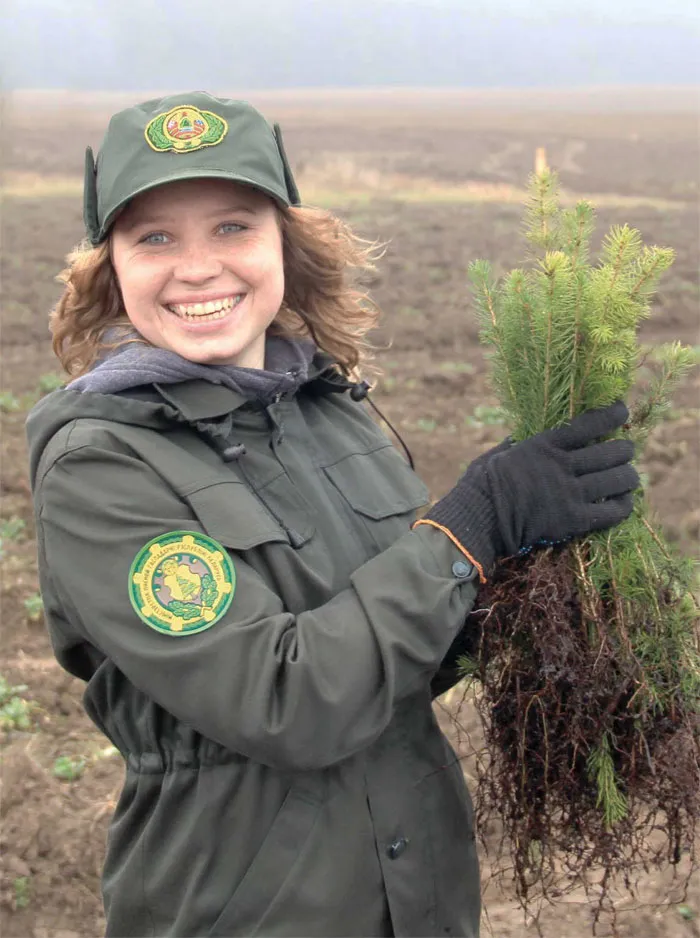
(292, 190)
(90, 218)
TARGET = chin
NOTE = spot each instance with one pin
(224, 357)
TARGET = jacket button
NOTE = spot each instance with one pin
(461, 569)
(393, 851)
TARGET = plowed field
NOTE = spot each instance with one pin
(439, 179)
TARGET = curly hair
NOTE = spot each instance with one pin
(324, 262)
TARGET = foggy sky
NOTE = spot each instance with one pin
(255, 44)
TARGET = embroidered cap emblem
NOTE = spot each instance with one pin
(181, 583)
(185, 128)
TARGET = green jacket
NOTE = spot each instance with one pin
(285, 774)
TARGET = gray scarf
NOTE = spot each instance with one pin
(286, 368)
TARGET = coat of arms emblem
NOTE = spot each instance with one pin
(185, 128)
(181, 582)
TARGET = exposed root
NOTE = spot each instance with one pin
(584, 763)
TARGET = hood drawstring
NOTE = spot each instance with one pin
(218, 437)
(233, 452)
(360, 392)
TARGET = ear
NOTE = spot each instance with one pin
(90, 218)
(292, 190)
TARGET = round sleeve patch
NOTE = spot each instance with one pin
(181, 583)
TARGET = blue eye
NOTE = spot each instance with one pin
(232, 225)
(155, 237)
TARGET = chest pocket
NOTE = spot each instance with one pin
(382, 490)
(231, 514)
(240, 512)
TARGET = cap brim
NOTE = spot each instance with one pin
(279, 197)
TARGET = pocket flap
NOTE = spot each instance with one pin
(378, 484)
(230, 514)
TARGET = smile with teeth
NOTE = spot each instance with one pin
(214, 309)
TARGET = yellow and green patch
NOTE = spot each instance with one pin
(181, 583)
(185, 128)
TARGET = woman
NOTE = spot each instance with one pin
(229, 559)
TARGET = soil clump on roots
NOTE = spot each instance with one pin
(581, 776)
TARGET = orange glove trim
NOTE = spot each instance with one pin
(454, 540)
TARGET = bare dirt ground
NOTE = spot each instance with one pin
(438, 179)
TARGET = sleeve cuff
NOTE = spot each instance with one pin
(475, 563)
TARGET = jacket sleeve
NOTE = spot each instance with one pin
(295, 692)
(449, 673)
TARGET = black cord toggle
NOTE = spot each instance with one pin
(359, 391)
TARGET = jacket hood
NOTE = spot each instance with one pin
(155, 406)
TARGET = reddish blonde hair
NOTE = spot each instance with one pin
(323, 263)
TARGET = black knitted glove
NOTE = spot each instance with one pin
(554, 486)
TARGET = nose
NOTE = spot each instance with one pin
(196, 263)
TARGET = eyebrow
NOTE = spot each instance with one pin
(140, 220)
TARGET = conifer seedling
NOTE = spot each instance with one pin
(586, 653)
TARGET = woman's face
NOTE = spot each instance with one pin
(200, 268)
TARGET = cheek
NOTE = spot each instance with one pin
(276, 271)
(262, 264)
(140, 285)
(276, 276)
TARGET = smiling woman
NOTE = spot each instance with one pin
(200, 267)
(175, 238)
(229, 554)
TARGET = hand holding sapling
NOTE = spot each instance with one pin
(554, 486)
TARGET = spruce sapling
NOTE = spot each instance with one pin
(587, 653)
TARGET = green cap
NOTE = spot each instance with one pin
(184, 136)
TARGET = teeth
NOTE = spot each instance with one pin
(214, 309)
(220, 315)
